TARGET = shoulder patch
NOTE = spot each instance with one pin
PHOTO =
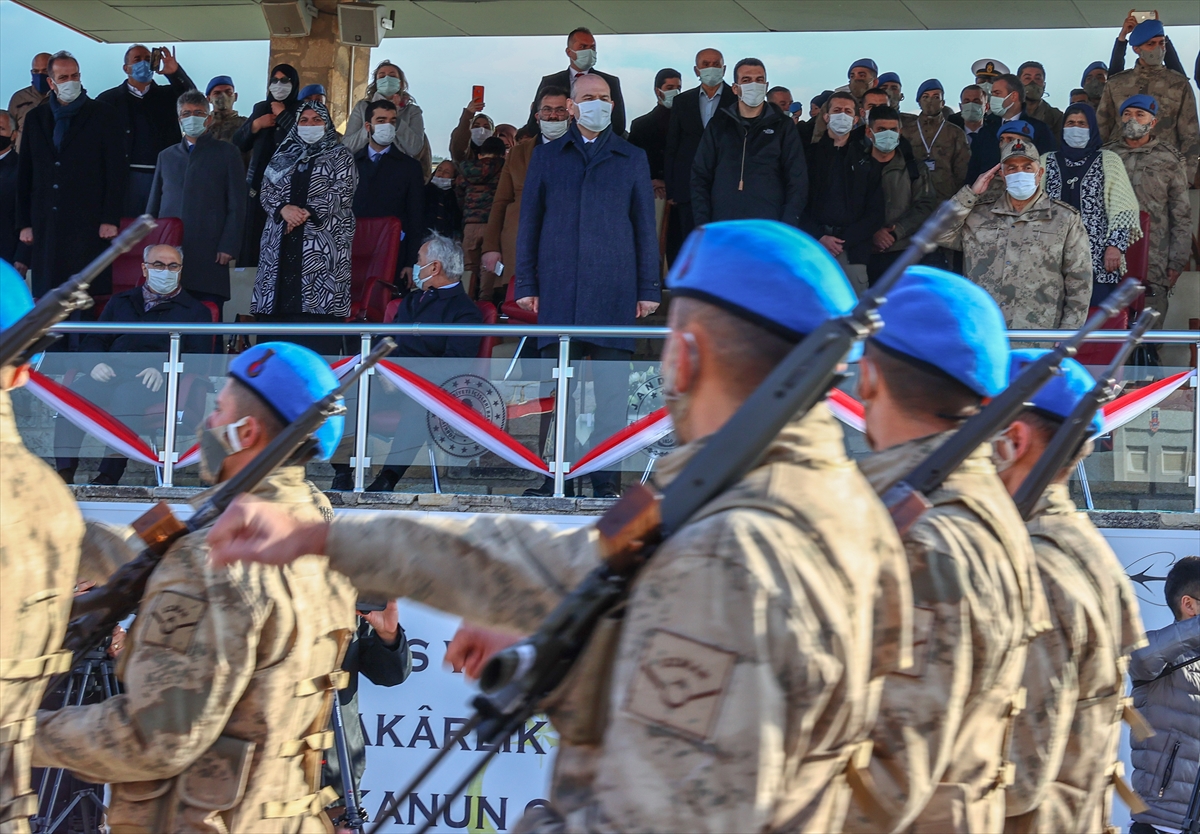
(680, 683)
(172, 621)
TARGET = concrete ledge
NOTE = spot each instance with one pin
(520, 504)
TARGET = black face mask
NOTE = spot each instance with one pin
(5, 143)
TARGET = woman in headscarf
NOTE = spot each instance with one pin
(308, 194)
(259, 136)
(1094, 182)
(388, 82)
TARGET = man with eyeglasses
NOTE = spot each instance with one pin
(126, 386)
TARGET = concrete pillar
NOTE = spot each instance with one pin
(321, 59)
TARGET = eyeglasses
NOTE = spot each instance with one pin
(553, 111)
(171, 267)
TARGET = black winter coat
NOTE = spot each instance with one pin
(129, 306)
(562, 80)
(846, 195)
(65, 195)
(649, 132)
(442, 214)
(393, 187)
(683, 138)
(749, 169)
(444, 305)
(11, 249)
(154, 112)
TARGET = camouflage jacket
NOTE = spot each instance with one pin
(229, 676)
(1178, 124)
(1048, 113)
(1065, 742)
(225, 123)
(1157, 175)
(947, 150)
(741, 678)
(941, 739)
(1036, 264)
(40, 531)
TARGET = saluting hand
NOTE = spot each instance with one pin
(253, 530)
(984, 180)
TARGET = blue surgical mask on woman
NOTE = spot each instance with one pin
(886, 140)
(1077, 137)
(387, 85)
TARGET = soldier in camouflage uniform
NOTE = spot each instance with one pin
(1156, 172)
(941, 739)
(229, 673)
(1033, 77)
(1030, 252)
(737, 690)
(1178, 125)
(938, 144)
(1065, 741)
(225, 120)
(40, 532)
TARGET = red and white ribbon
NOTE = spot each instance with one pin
(847, 409)
(628, 441)
(92, 419)
(1123, 409)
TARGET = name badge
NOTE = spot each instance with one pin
(929, 164)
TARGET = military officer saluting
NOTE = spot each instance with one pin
(1065, 742)
(762, 608)
(229, 673)
(941, 738)
(40, 533)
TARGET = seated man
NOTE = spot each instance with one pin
(438, 298)
(125, 383)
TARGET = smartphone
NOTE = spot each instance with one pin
(1141, 17)
(477, 94)
(499, 270)
(156, 56)
(366, 606)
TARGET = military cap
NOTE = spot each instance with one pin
(888, 78)
(787, 283)
(1144, 31)
(931, 84)
(1092, 67)
(311, 90)
(945, 321)
(988, 68)
(1142, 102)
(15, 300)
(864, 62)
(1019, 147)
(1058, 397)
(1018, 126)
(290, 378)
(217, 81)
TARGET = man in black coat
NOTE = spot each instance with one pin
(581, 50)
(750, 163)
(146, 116)
(649, 132)
(124, 385)
(71, 180)
(390, 184)
(1009, 89)
(11, 248)
(201, 181)
(690, 114)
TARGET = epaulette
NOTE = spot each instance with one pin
(1061, 204)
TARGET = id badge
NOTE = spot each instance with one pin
(929, 164)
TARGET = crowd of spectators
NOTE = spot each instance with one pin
(575, 219)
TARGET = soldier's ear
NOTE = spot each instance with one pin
(867, 387)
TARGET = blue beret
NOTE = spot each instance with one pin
(796, 107)
(1092, 67)
(1143, 102)
(863, 62)
(888, 78)
(945, 321)
(311, 89)
(289, 378)
(763, 271)
(931, 84)
(1020, 126)
(15, 300)
(218, 81)
(1144, 31)
(1059, 396)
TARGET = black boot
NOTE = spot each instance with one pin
(385, 481)
(343, 478)
(546, 490)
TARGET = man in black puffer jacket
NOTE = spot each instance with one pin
(750, 163)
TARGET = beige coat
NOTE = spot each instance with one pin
(40, 531)
(229, 676)
(762, 611)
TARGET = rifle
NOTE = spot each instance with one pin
(907, 501)
(516, 679)
(94, 613)
(1075, 428)
(27, 337)
(354, 818)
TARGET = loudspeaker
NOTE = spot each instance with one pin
(289, 18)
(360, 24)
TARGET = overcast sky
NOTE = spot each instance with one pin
(441, 71)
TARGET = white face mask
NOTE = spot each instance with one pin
(193, 126)
(595, 115)
(553, 130)
(585, 59)
(479, 134)
(443, 183)
(383, 134)
(387, 85)
(1076, 137)
(711, 76)
(162, 281)
(280, 89)
(310, 133)
(753, 94)
(999, 108)
(668, 97)
(841, 123)
(68, 91)
(1021, 185)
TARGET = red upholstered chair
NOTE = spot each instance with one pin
(373, 257)
(1137, 264)
(127, 269)
(512, 310)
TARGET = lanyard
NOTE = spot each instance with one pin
(928, 145)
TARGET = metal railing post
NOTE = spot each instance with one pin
(1196, 436)
(173, 367)
(562, 373)
(361, 461)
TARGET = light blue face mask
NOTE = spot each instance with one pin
(387, 85)
(193, 126)
(886, 140)
(711, 76)
(1021, 184)
(997, 105)
(972, 112)
(418, 281)
(141, 72)
(1077, 137)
